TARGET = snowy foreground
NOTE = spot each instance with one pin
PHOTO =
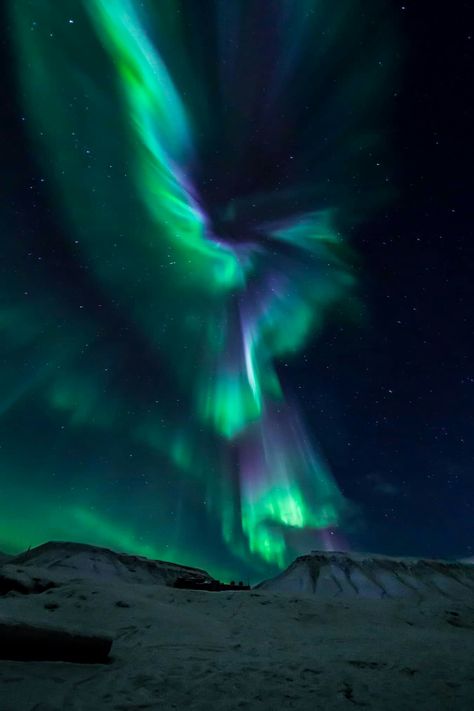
(180, 649)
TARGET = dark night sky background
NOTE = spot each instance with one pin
(391, 399)
(398, 408)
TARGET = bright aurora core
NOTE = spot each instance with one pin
(203, 166)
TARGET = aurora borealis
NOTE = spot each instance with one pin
(202, 168)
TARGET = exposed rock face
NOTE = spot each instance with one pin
(347, 575)
(25, 642)
(64, 561)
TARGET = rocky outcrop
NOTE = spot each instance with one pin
(26, 642)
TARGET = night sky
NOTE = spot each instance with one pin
(235, 279)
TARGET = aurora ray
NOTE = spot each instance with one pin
(218, 281)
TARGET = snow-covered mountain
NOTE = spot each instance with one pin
(60, 560)
(349, 575)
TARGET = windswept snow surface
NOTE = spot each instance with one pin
(355, 575)
(255, 650)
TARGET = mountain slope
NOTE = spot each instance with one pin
(349, 575)
(64, 561)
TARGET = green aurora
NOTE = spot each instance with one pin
(142, 407)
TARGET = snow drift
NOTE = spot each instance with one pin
(349, 575)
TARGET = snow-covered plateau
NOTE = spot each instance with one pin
(349, 575)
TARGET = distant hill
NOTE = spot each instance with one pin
(65, 560)
(349, 575)
(4, 557)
